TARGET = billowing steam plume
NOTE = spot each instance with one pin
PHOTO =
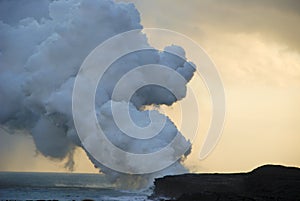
(43, 45)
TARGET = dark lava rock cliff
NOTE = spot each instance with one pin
(268, 182)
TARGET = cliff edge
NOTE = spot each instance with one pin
(269, 182)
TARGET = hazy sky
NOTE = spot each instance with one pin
(256, 47)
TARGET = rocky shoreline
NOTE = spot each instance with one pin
(269, 182)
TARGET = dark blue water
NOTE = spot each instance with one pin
(62, 186)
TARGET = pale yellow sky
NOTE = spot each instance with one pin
(18, 154)
(256, 47)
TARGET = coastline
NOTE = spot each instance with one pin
(268, 182)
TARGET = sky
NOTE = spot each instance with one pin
(256, 48)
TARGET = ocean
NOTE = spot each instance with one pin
(63, 186)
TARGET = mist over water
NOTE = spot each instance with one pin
(40, 56)
(62, 186)
(51, 180)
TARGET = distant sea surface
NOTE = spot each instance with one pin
(62, 186)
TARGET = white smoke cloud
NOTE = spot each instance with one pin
(11, 12)
(40, 56)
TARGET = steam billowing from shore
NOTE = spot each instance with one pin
(41, 53)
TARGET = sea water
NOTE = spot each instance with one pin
(63, 186)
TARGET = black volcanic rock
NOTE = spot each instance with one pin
(268, 182)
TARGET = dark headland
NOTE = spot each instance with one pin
(269, 182)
